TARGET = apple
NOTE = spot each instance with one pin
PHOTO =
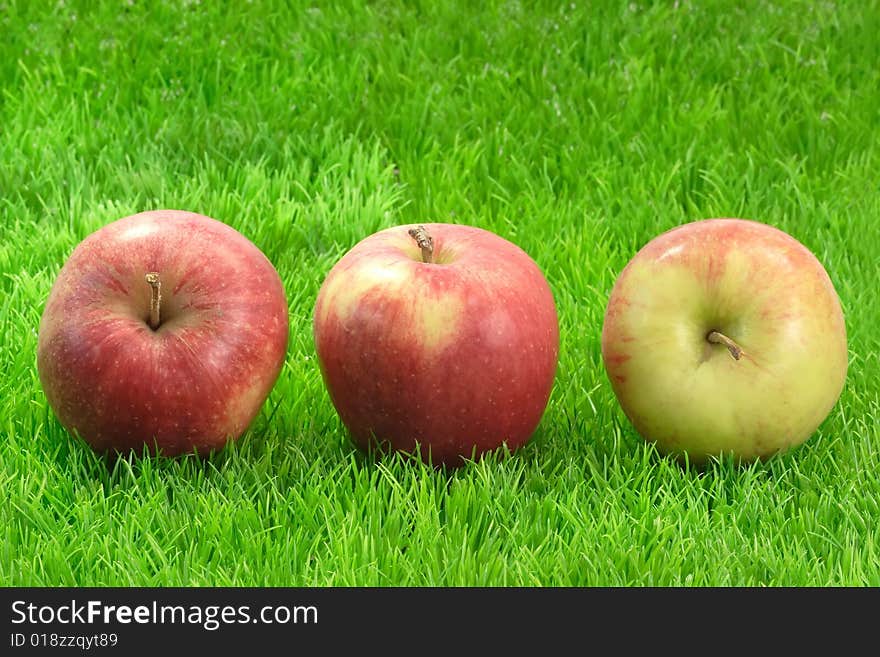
(725, 337)
(164, 330)
(439, 339)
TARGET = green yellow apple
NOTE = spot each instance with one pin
(725, 337)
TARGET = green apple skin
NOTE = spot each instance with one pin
(756, 285)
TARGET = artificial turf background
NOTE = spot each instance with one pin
(577, 130)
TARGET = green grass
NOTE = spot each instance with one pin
(577, 130)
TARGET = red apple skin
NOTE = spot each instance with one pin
(456, 357)
(202, 376)
(761, 288)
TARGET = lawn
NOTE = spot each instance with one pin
(577, 130)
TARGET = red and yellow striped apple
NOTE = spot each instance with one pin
(725, 336)
(438, 337)
(164, 330)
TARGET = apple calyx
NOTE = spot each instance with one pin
(425, 242)
(716, 337)
(152, 279)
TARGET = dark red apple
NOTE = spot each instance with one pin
(163, 330)
(442, 337)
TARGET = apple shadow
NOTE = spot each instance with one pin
(381, 452)
(719, 462)
(71, 453)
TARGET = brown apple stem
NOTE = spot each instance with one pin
(155, 297)
(719, 338)
(425, 242)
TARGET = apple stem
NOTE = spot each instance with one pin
(155, 297)
(719, 338)
(425, 242)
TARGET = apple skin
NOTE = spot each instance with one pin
(452, 358)
(200, 378)
(761, 288)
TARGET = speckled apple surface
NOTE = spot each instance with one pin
(457, 356)
(197, 380)
(759, 287)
